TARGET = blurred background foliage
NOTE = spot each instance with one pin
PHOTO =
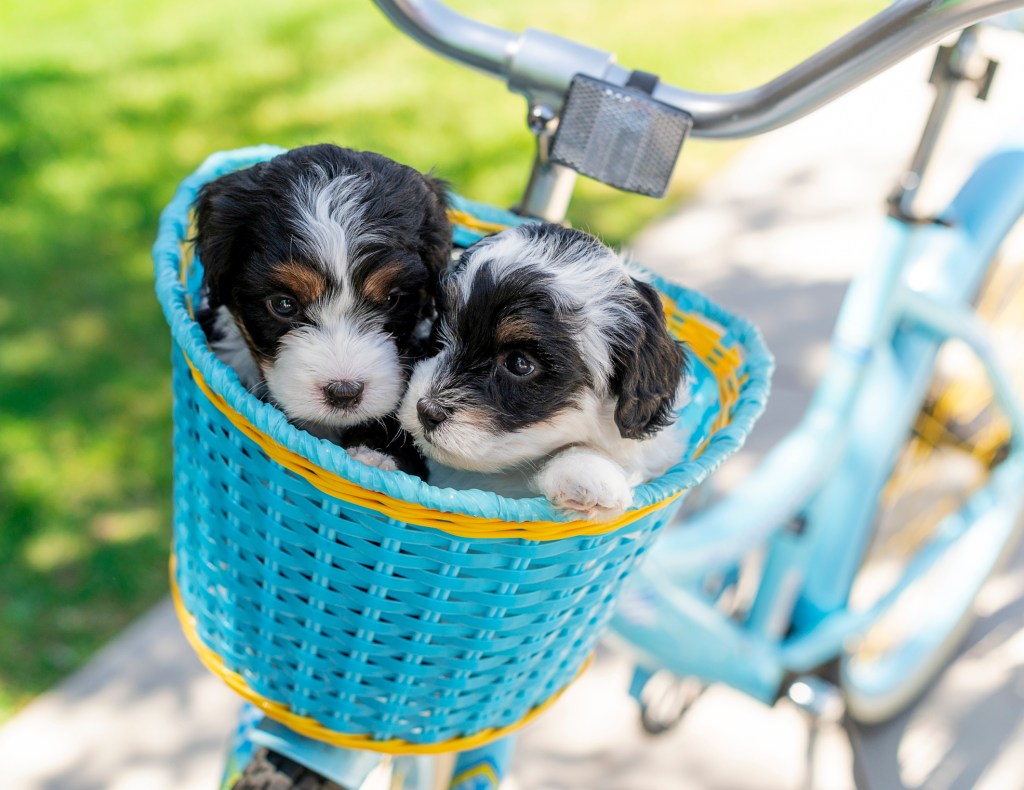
(106, 104)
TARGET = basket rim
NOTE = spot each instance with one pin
(222, 380)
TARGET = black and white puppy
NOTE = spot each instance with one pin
(320, 267)
(553, 359)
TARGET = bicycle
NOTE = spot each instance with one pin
(810, 506)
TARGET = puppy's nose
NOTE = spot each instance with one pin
(343, 394)
(431, 413)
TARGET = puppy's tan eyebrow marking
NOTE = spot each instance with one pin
(306, 283)
(515, 329)
(377, 284)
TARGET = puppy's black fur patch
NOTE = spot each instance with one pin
(648, 368)
(542, 333)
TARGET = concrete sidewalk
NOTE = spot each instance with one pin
(775, 237)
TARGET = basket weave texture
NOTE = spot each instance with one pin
(368, 608)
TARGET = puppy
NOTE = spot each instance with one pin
(553, 359)
(320, 267)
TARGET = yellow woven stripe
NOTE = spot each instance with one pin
(312, 728)
(467, 220)
(705, 341)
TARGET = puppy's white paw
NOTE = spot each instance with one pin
(587, 483)
(370, 457)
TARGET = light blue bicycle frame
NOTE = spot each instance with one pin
(812, 502)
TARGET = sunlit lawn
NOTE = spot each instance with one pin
(105, 105)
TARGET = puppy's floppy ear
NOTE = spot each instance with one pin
(435, 245)
(647, 369)
(223, 210)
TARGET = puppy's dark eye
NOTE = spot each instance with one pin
(394, 297)
(283, 307)
(519, 364)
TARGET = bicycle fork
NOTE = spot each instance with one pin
(481, 768)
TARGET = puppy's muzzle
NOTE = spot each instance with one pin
(343, 394)
(431, 413)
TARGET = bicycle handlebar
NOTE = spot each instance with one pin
(541, 65)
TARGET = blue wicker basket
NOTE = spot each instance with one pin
(367, 608)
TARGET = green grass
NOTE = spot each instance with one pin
(106, 105)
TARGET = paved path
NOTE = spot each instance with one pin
(776, 237)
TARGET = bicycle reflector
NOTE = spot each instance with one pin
(620, 135)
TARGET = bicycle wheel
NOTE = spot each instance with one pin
(959, 438)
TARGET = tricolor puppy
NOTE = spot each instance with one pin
(553, 359)
(320, 267)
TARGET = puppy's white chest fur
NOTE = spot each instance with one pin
(594, 478)
(640, 459)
